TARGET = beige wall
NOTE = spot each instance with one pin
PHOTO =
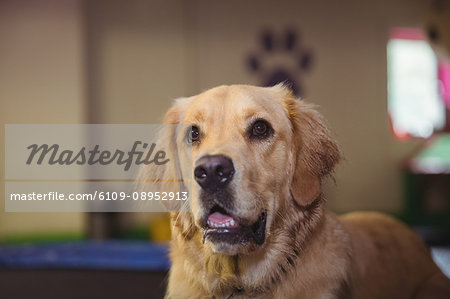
(141, 54)
(136, 58)
(153, 52)
(136, 65)
(348, 80)
(41, 81)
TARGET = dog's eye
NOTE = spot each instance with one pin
(193, 134)
(260, 129)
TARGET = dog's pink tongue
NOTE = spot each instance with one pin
(219, 218)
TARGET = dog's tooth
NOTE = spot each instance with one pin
(227, 224)
(232, 222)
(216, 225)
(204, 235)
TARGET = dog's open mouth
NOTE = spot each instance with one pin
(223, 227)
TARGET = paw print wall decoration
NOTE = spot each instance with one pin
(281, 58)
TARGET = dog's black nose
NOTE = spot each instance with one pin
(213, 172)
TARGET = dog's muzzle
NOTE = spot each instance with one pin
(223, 227)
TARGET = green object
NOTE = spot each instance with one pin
(434, 157)
(427, 185)
(42, 238)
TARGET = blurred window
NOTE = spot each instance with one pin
(415, 103)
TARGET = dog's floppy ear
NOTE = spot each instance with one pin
(167, 177)
(314, 151)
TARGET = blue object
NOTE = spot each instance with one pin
(117, 255)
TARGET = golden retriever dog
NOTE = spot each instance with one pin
(257, 226)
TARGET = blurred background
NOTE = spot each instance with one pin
(379, 71)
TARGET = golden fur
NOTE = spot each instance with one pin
(308, 252)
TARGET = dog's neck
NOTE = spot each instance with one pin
(291, 232)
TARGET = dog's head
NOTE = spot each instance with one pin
(256, 152)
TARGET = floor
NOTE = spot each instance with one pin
(22, 282)
(86, 284)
